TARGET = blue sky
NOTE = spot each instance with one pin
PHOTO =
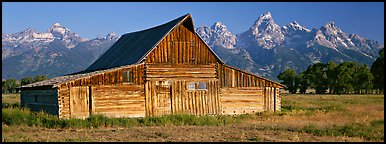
(92, 19)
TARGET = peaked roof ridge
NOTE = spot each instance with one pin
(141, 42)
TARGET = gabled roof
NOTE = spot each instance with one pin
(132, 48)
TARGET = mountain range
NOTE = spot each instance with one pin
(53, 53)
(268, 49)
(265, 49)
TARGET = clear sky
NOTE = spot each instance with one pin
(92, 19)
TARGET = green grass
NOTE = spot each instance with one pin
(22, 116)
(372, 131)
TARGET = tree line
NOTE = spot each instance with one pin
(11, 85)
(343, 78)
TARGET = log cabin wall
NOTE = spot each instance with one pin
(67, 91)
(41, 99)
(241, 100)
(238, 80)
(118, 100)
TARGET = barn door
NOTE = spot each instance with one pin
(163, 105)
(79, 102)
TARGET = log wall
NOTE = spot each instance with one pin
(112, 77)
(118, 100)
(242, 100)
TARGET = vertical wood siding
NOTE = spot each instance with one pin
(181, 46)
(79, 102)
(180, 100)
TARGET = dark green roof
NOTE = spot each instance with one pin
(132, 48)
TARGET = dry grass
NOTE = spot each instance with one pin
(10, 98)
(311, 118)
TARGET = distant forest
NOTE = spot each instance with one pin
(343, 78)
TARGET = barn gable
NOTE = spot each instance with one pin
(133, 48)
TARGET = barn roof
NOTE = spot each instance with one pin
(132, 48)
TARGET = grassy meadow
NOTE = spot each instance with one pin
(310, 118)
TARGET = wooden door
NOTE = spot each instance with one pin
(163, 105)
(79, 102)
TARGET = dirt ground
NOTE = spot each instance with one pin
(235, 133)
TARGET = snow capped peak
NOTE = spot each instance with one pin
(266, 32)
(330, 24)
(56, 25)
(57, 28)
(218, 24)
(111, 35)
(266, 15)
(330, 29)
(204, 32)
(217, 35)
(28, 30)
(296, 26)
(219, 27)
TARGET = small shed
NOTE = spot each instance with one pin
(167, 69)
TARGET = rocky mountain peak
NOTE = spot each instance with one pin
(266, 32)
(111, 36)
(204, 32)
(217, 35)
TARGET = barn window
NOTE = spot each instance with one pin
(163, 83)
(202, 85)
(197, 86)
(191, 86)
(127, 76)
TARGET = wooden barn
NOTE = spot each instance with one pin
(167, 69)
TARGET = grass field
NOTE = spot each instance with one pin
(321, 118)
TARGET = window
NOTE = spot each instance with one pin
(202, 85)
(163, 83)
(197, 86)
(127, 76)
(191, 86)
